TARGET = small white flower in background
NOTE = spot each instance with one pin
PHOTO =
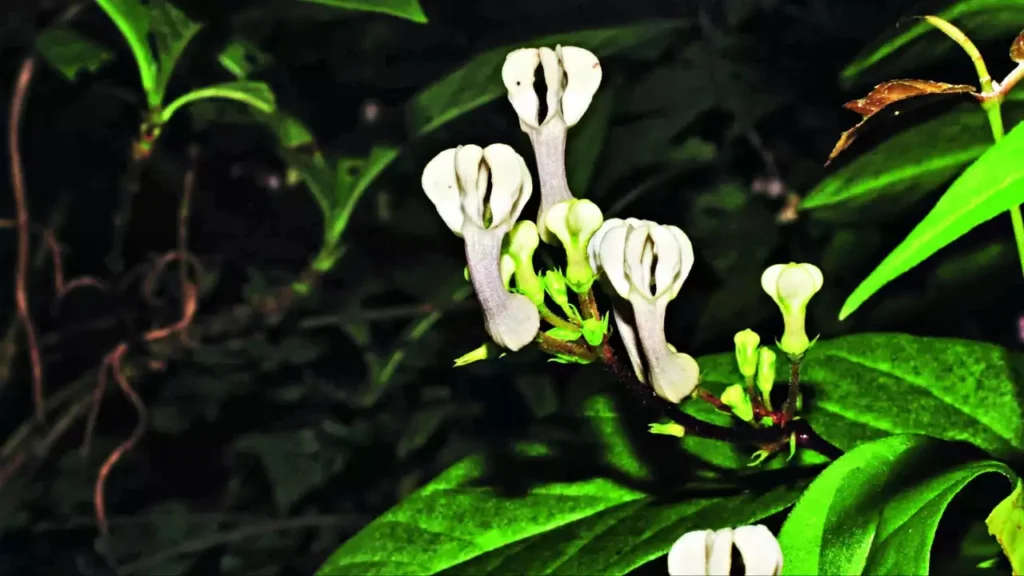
(709, 552)
(792, 286)
(572, 76)
(457, 181)
(625, 251)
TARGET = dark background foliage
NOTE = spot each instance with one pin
(268, 448)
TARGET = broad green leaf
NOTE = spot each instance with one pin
(172, 31)
(70, 53)
(350, 189)
(876, 509)
(902, 168)
(479, 81)
(1006, 523)
(918, 43)
(408, 9)
(460, 524)
(956, 390)
(255, 94)
(132, 19)
(990, 186)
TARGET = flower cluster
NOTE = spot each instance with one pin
(480, 193)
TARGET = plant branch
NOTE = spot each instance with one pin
(21, 208)
(743, 436)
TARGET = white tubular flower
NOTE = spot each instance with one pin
(792, 286)
(709, 553)
(572, 76)
(479, 193)
(625, 251)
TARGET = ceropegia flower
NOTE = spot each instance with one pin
(625, 251)
(479, 193)
(709, 552)
(572, 76)
(792, 286)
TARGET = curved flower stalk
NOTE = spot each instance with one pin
(625, 251)
(709, 552)
(792, 286)
(479, 193)
(572, 76)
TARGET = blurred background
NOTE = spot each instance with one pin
(268, 443)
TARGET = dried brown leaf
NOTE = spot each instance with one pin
(888, 93)
(1017, 49)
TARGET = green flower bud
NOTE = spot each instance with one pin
(670, 429)
(735, 397)
(484, 352)
(574, 222)
(522, 242)
(766, 374)
(554, 284)
(747, 342)
(792, 286)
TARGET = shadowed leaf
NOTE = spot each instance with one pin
(888, 93)
(917, 44)
(408, 9)
(70, 52)
(479, 81)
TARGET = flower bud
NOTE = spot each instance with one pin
(766, 373)
(746, 343)
(735, 397)
(792, 286)
(574, 223)
(522, 242)
(554, 285)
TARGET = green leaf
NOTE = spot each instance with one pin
(989, 187)
(903, 168)
(479, 81)
(70, 53)
(350, 188)
(979, 19)
(172, 31)
(132, 19)
(876, 509)
(460, 524)
(868, 386)
(408, 9)
(241, 58)
(586, 141)
(255, 94)
(1006, 523)
(294, 460)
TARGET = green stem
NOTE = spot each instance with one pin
(992, 104)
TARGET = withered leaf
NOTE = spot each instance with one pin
(1017, 49)
(888, 93)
